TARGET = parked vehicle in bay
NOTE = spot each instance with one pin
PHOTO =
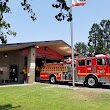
(91, 71)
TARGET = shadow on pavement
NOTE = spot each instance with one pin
(78, 85)
(100, 86)
(105, 87)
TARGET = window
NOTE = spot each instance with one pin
(81, 62)
(89, 62)
(101, 61)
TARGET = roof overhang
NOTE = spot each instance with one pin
(59, 46)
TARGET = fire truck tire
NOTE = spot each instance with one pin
(52, 79)
(91, 81)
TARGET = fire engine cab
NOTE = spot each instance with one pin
(91, 71)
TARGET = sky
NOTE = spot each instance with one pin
(47, 28)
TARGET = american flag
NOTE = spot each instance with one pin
(79, 2)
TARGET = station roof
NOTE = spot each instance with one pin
(59, 46)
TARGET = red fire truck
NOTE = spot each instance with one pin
(91, 71)
(56, 72)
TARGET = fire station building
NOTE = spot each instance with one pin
(13, 58)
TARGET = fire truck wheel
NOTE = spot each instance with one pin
(52, 79)
(91, 81)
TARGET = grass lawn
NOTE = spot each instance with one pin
(45, 97)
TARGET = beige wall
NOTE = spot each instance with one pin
(14, 58)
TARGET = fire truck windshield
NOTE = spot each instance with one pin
(109, 61)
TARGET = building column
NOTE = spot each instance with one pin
(31, 65)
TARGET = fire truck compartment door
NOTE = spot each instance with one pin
(81, 68)
(44, 76)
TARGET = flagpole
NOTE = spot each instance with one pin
(72, 48)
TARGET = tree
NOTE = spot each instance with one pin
(61, 4)
(4, 9)
(105, 32)
(99, 38)
(81, 47)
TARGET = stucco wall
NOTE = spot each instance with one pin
(14, 58)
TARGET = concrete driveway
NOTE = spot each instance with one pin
(68, 86)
